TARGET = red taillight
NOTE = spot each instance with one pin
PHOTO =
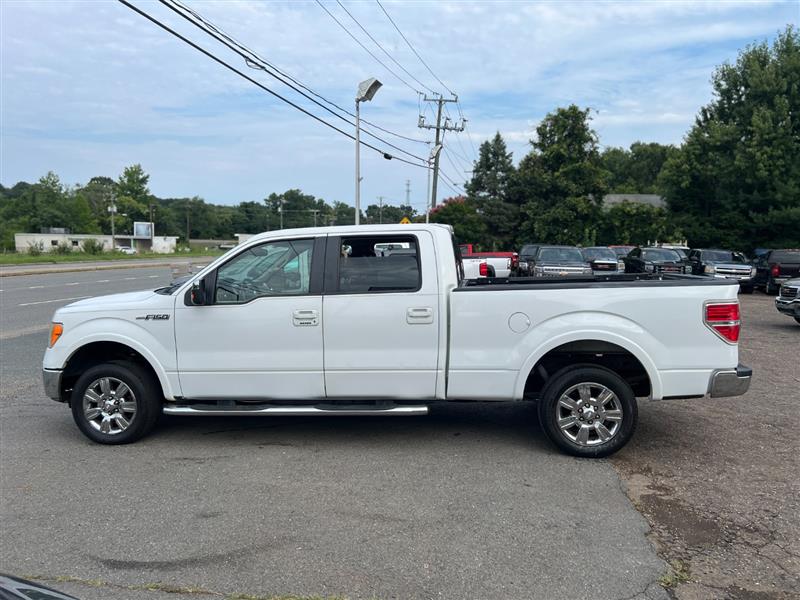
(776, 270)
(483, 269)
(723, 318)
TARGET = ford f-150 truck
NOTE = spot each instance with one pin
(320, 321)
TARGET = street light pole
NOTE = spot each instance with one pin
(432, 161)
(358, 161)
(365, 93)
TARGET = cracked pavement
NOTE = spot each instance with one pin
(718, 478)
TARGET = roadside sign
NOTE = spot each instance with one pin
(405, 221)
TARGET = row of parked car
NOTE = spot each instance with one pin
(768, 271)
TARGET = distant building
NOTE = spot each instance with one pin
(50, 240)
(653, 200)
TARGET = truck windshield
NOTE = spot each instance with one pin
(661, 254)
(599, 254)
(560, 255)
(723, 256)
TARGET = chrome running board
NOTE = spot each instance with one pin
(295, 411)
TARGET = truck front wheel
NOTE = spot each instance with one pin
(588, 411)
(116, 403)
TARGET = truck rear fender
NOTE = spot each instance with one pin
(596, 327)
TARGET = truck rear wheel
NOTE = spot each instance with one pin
(116, 403)
(588, 411)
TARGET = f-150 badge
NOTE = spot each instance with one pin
(153, 318)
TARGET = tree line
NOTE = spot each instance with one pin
(734, 182)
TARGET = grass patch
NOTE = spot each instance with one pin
(15, 258)
(677, 573)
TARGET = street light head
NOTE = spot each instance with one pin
(435, 151)
(367, 89)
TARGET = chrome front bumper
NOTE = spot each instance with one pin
(788, 307)
(52, 384)
(730, 382)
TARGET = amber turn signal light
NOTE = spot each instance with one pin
(56, 329)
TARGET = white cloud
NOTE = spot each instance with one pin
(88, 88)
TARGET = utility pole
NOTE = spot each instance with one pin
(408, 192)
(280, 210)
(314, 211)
(112, 208)
(380, 210)
(440, 129)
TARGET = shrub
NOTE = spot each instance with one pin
(63, 248)
(35, 248)
(93, 246)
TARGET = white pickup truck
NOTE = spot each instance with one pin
(323, 321)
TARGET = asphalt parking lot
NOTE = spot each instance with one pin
(469, 502)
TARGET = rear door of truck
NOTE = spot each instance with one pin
(381, 316)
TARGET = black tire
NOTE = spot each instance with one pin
(770, 289)
(746, 289)
(551, 410)
(145, 395)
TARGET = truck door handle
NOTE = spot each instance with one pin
(419, 315)
(305, 318)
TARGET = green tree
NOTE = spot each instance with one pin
(561, 181)
(735, 182)
(489, 192)
(389, 213)
(635, 171)
(468, 225)
(637, 224)
(133, 184)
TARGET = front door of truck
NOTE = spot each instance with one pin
(381, 316)
(259, 335)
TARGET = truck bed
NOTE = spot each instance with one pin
(633, 280)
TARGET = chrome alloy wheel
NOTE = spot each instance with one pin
(589, 414)
(109, 405)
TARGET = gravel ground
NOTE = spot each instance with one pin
(718, 479)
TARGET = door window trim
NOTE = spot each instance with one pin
(331, 283)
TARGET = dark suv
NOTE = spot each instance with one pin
(775, 267)
(526, 256)
(654, 260)
(723, 264)
(788, 300)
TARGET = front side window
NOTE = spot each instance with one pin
(370, 264)
(273, 269)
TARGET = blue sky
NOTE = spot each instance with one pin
(90, 87)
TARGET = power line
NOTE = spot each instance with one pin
(367, 50)
(414, 50)
(257, 83)
(349, 14)
(244, 48)
(242, 51)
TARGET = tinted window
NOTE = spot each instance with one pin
(367, 265)
(790, 256)
(273, 269)
(528, 250)
(599, 253)
(661, 254)
(560, 254)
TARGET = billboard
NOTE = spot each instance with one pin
(142, 229)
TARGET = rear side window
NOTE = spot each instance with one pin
(375, 264)
(789, 256)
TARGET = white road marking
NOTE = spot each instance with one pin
(7, 335)
(102, 281)
(74, 283)
(149, 277)
(36, 287)
(51, 301)
(129, 278)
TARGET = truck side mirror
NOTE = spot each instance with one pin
(198, 293)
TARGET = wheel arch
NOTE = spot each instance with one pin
(100, 351)
(602, 348)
